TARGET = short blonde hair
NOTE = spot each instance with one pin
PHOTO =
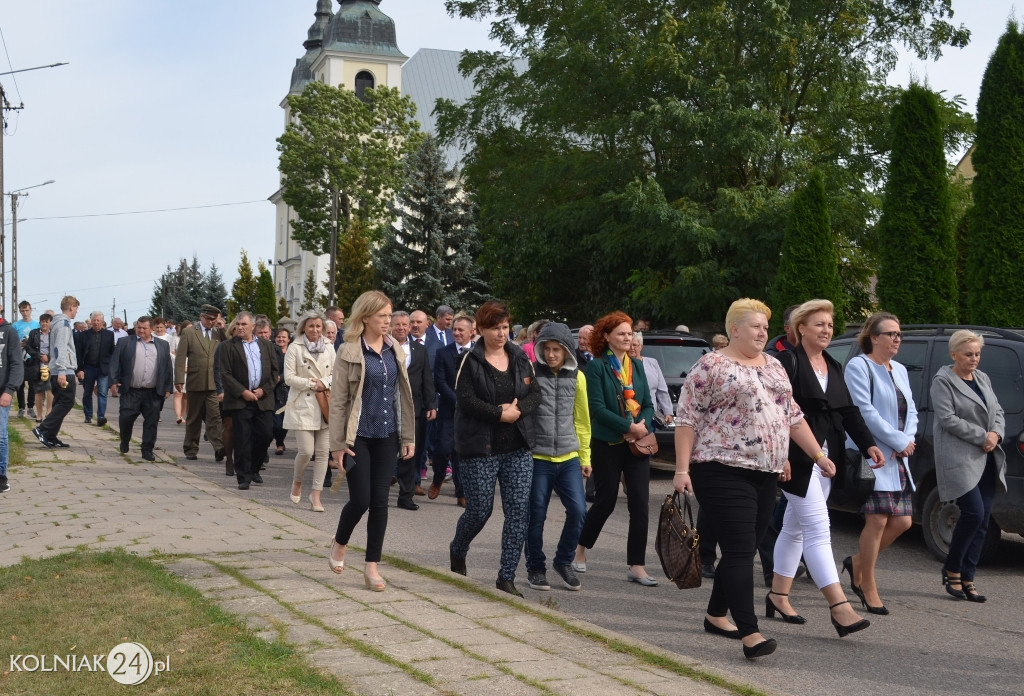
(719, 341)
(739, 309)
(365, 306)
(961, 338)
(799, 316)
(301, 329)
(69, 301)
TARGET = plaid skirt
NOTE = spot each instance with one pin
(896, 503)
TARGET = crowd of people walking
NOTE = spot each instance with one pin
(379, 396)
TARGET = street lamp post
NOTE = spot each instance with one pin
(14, 242)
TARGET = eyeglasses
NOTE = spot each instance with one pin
(894, 335)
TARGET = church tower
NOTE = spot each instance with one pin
(354, 47)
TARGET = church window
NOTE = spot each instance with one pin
(364, 81)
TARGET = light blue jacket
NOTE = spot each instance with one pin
(881, 413)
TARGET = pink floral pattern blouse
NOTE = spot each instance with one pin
(740, 414)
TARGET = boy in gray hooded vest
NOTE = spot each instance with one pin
(561, 454)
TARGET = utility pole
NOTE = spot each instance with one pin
(14, 242)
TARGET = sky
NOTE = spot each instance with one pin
(169, 105)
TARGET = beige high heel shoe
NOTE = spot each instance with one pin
(336, 566)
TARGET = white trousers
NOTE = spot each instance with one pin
(312, 443)
(805, 531)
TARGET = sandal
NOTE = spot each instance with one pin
(336, 566)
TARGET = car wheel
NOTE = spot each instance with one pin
(937, 523)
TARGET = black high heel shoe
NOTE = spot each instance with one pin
(949, 583)
(848, 568)
(770, 609)
(846, 630)
(971, 592)
(765, 647)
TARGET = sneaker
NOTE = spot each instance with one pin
(88, 420)
(32, 413)
(21, 413)
(41, 437)
(538, 580)
(58, 443)
(448, 474)
(101, 421)
(4, 486)
(569, 579)
(508, 586)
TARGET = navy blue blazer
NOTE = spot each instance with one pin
(434, 343)
(421, 378)
(123, 364)
(446, 368)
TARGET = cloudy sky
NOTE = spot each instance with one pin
(176, 105)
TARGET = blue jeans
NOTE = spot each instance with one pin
(565, 479)
(93, 375)
(969, 534)
(5, 413)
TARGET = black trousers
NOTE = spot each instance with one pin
(136, 402)
(610, 463)
(738, 505)
(31, 395)
(765, 549)
(253, 430)
(445, 452)
(409, 469)
(369, 483)
(63, 402)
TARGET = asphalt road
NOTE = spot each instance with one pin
(929, 644)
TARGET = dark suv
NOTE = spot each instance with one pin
(676, 352)
(924, 350)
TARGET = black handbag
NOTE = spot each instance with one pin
(854, 482)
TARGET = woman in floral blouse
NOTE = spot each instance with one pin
(741, 403)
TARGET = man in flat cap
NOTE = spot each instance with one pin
(196, 348)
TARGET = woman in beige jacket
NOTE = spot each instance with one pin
(372, 423)
(308, 365)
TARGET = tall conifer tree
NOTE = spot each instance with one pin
(995, 242)
(916, 247)
(432, 258)
(809, 263)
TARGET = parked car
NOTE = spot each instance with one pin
(676, 352)
(924, 350)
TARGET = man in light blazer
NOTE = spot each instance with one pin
(141, 370)
(196, 348)
(424, 397)
(249, 372)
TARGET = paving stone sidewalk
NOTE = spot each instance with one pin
(428, 633)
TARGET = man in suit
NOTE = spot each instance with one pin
(425, 402)
(449, 359)
(94, 348)
(196, 348)
(248, 371)
(440, 332)
(142, 371)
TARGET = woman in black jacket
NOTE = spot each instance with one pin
(495, 391)
(821, 392)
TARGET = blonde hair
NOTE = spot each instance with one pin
(719, 341)
(739, 309)
(69, 301)
(365, 306)
(961, 338)
(801, 314)
(301, 329)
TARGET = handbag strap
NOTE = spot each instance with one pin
(686, 512)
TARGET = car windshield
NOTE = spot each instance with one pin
(675, 360)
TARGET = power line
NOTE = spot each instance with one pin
(16, 88)
(145, 212)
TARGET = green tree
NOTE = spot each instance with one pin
(180, 292)
(341, 156)
(266, 298)
(312, 300)
(995, 242)
(354, 274)
(917, 250)
(809, 262)
(431, 258)
(214, 292)
(659, 140)
(243, 290)
(282, 309)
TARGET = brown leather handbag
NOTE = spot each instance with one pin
(323, 398)
(676, 543)
(647, 446)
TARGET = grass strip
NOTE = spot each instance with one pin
(84, 604)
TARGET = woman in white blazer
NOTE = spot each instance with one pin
(880, 388)
(969, 463)
(308, 365)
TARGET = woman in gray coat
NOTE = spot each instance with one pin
(969, 463)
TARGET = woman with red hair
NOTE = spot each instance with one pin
(621, 412)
